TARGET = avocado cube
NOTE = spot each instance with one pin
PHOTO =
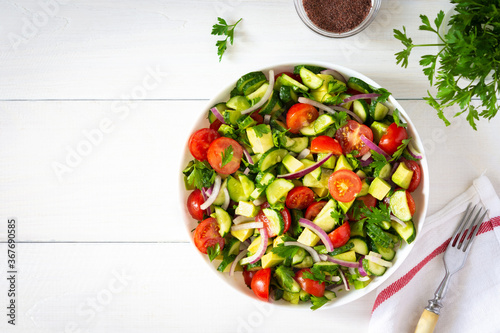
(270, 260)
(379, 188)
(307, 237)
(342, 163)
(247, 209)
(330, 163)
(402, 176)
(242, 235)
(261, 142)
(346, 205)
(292, 164)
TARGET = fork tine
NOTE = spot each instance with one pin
(460, 226)
(477, 225)
(467, 231)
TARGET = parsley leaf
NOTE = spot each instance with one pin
(285, 251)
(377, 215)
(221, 29)
(261, 129)
(199, 174)
(213, 251)
(227, 156)
(379, 161)
(397, 118)
(318, 302)
(401, 149)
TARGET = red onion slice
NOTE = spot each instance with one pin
(344, 263)
(205, 195)
(312, 252)
(303, 153)
(261, 250)
(346, 283)
(318, 231)
(394, 218)
(249, 225)
(241, 219)
(378, 260)
(267, 119)
(215, 192)
(335, 74)
(247, 155)
(240, 256)
(227, 199)
(259, 201)
(366, 156)
(370, 144)
(316, 104)
(363, 278)
(217, 114)
(266, 96)
(360, 96)
(303, 172)
(414, 151)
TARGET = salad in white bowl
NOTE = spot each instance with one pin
(305, 184)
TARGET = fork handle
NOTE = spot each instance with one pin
(427, 322)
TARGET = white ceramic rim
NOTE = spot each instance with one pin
(421, 196)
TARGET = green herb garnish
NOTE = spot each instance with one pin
(223, 29)
(227, 156)
(467, 66)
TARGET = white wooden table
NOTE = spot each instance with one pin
(96, 102)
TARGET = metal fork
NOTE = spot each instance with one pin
(454, 259)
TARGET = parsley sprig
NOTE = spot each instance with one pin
(223, 29)
(226, 156)
(467, 67)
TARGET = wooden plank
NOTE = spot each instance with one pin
(60, 49)
(146, 287)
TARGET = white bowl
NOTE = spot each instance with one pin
(420, 196)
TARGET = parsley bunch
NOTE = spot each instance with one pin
(467, 67)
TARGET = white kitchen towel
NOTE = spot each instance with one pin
(472, 303)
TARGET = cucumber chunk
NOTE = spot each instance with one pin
(408, 233)
(373, 268)
(310, 79)
(276, 192)
(271, 157)
(399, 205)
(361, 109)
(224, 221)
(359, 85)
(235, 189)
(276, 223)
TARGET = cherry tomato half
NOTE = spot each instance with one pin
(344, 185)
(312, 287)
(299, 197)
(247, 277)
(300, 115)
(261, 282)
(219, 148)
(341, 235)
(349, 137)
(313, 210)
(326, 144)
(393, 138)
(200, 141)
(216, 125)
(411, 203)
(261, 217)
(417, 175)
(195, 200)
(207, 234)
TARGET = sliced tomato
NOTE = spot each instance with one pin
(344, 185)
(257, 117)
(312, 287)
(369, 201)
(411, 203)
(200, 141)
(261, 217)
(247, 277)
(341, 235)
(216, 124)
(325, 144)
(417, 174)
(195, 200)
(299, 197)
(221, 147)
(261, 282)
(300, 115)
(296, 77)
(207, 234)
(393, 138)
(313, 210)
(349, 137)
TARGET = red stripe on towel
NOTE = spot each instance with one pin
(399, 284)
